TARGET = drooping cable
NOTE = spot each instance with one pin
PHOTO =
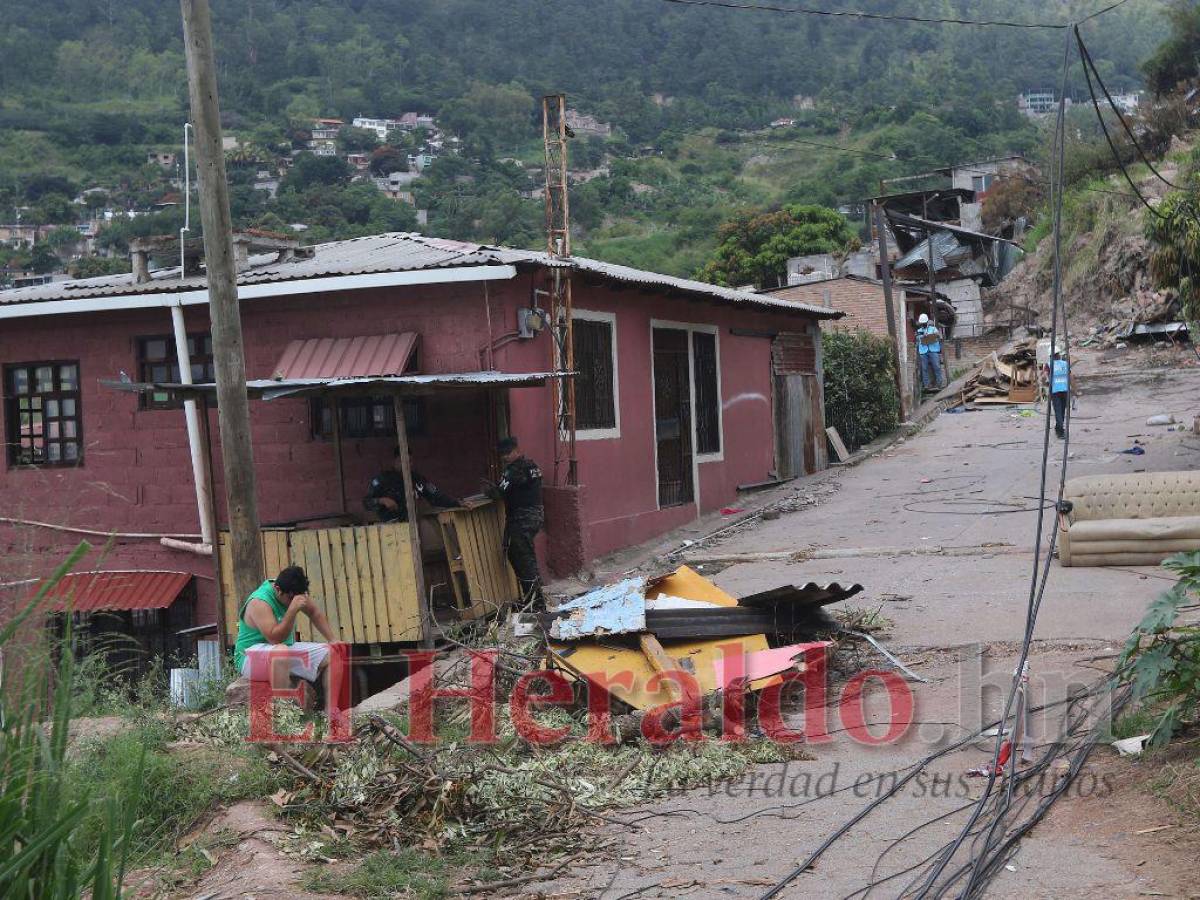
(889, 17)
(1089, 64)
(1038, 578)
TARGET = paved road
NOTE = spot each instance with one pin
(967, 480)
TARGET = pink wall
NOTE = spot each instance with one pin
(137, 477)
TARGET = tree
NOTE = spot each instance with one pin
(63, 238)
(491, 113)
(1175, 60)
(95, 266)
(309, 169)
(356, 140)
(43, 260)
(1010, 199)
(754, 246)
(386, 160)
(54, 209)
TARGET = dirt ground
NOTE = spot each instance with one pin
(969, 482)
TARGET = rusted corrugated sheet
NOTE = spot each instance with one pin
(107, 591)
(353, 357)
(793, 353)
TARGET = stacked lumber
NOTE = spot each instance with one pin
(1007, 376)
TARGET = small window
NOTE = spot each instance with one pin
(708, 398)
(595, 385)
(367, 417)
(43, 415)
(157, 362)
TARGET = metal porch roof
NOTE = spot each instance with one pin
(113, 591)
(377, 354)
(271, 389)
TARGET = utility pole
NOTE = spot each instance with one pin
(885, 271)
(558, 245)
(233, 406)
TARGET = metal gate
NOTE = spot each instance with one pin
(673, 417)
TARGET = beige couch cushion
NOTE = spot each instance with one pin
(1142, 495)
(1181, 528)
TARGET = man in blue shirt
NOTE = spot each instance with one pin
(1059, 373)
(929, 353)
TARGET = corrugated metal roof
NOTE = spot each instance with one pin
(396, 252)
(377, 354)
(109, 591)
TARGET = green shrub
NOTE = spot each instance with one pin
(860, 386)
(1161, 659)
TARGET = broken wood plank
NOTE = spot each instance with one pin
(838, 445)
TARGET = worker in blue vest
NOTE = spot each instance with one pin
(1058, 371)
(929, 353)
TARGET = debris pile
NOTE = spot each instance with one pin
(679, 630)
(1143, 314)
(1007, 376)
(526, 802)
(654, 649)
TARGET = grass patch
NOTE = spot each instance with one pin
(1131, 724)
(176, 788)
(408, 873)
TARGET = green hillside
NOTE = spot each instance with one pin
(87, 88)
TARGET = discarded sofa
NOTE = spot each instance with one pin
(1129, 520)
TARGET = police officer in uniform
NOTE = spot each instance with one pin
(387, 498)
(521, 489)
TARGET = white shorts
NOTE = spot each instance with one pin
(305, 659)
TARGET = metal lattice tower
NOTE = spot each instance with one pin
(558, 245)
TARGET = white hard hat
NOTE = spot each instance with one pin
(923, 319)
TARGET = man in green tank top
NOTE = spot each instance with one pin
(267, 619)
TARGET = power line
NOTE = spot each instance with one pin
(870, 16)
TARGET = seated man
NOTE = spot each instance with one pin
(267, 621)
(387, 498)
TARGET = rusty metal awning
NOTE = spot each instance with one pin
(115, 591)
(349, 357)
(271, 389)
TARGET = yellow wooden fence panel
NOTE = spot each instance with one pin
(362, 577)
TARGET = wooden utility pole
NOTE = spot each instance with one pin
(885, 271)
(233, 406)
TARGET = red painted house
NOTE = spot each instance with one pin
(684, 391)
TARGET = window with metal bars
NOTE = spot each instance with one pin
(43, 419)
(595, 385)
(157, 362)
(367, 417)
(708, 399)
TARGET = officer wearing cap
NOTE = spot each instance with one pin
(521, 489)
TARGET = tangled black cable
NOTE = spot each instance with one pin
(1040, 574)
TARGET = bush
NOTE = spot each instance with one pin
(1161, 659)
(860, 386)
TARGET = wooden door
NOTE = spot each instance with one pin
(673, 417)
(799, 411)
